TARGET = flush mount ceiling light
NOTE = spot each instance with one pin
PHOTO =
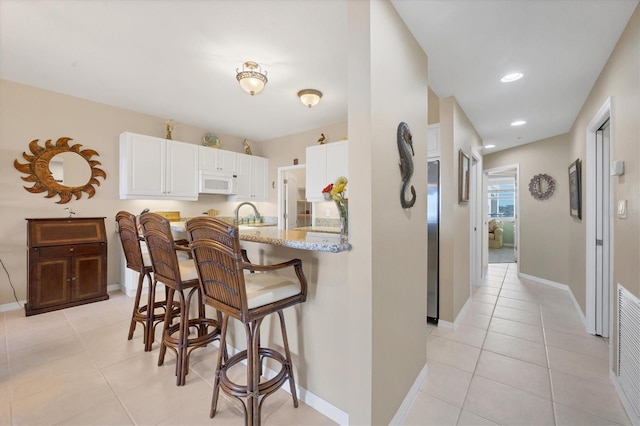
(310, 97)
(518, 123)
(489, 146)
(251, 78)
(512, 77)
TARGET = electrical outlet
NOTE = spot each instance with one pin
(327, 212)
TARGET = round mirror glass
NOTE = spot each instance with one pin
(70, 169)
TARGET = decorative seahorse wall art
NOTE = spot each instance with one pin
(405, 148)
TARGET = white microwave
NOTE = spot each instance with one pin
(216, 183)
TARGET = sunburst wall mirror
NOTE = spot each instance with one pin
(60, 169)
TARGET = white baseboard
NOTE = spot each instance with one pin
(12, 306)
(115, 287)
(626, 404)
(453, 325)
(561, 287)
(401, 414)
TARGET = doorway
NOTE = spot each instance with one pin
(599, 224)
(293, 209)
(501, 221)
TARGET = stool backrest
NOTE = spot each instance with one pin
(157, 234)
(216, 250)
(130, 239)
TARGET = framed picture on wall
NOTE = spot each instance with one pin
(463, 177)
(575, 202)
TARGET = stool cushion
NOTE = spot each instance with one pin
(266, 288)
(188, 270)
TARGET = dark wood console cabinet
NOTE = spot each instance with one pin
(67, 263)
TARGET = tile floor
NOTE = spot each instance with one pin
(520, 356)
(76, 367)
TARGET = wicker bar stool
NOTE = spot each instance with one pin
(141, 263)
(179, 277)
(231, 288)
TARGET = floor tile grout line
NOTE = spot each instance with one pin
(475, 367)
(546, 352)
(88, 353)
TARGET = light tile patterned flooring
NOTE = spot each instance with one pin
(520, 356)
(76, 367)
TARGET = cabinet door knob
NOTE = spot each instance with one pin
(71, 249)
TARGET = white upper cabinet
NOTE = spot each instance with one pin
(253, 178)
(217, 160)
(324, 164)
(157, 169)
(433, 140)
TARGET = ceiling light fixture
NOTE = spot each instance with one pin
(489, 146)
(518, 123)
(512, 77)
(250, 80)
(310, 97)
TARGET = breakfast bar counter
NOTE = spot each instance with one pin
(303, 238)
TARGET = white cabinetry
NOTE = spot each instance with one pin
(324, 164)
(217, 160)
(433, 141)
(253, 178)
(157, 169)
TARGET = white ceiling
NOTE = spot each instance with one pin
(178, 59)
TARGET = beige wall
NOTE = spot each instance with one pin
(29, 113)
(387, 267)
(620, 79)
(456, 132)
(434, 108)
(544, 224)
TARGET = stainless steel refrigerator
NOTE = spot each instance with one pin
(433, 244)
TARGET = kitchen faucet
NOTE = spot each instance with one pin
(235, 212)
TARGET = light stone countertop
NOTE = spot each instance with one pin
(304, 240)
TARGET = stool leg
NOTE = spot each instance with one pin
(253, 371)
(222, 355)
(183, 334)
(136, 306)
(149, 328)
(167, 321)
(287, 354)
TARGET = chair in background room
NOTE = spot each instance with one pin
(153, 312)
(179, 277)
(229, 286)
(495, 234)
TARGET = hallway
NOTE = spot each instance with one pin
(520, 356)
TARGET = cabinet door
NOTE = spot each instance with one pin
(244, 178)
(337, 161)
(316, 174)
(182, 171)
(207, 158)
(49, 282)
(87, 279)
(259, 179)
(227, 161)
(142, 166)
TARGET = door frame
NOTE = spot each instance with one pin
(516, 227)
(281, 173)
(475, 250)
(604, 113)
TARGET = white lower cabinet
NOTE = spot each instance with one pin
(157, 169)
(253, 178)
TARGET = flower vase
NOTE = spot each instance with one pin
(344, 220)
